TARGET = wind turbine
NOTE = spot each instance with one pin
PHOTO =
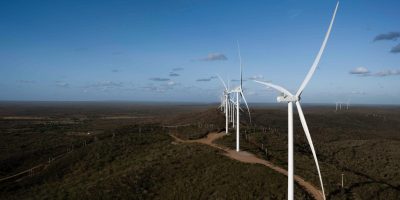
(226, 103)
(239, 95)
(290, 98)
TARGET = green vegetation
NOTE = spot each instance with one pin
(120, 161)
(197, 125)
(362, 143)
(148, 165)
(107, 151)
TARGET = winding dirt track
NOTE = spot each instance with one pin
(247, 157)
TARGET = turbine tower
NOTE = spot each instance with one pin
(290, 98)
(231, 110)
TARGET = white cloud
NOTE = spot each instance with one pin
(177, 69)
(365, 72)
(104, 85)
(388, 73)
(358, 92)
(257, 77)
(26, 81)
(171, 83)
(173, 74)
(206, 79)
(360, 71)
(203, 79)
(214, 57)
(251, 93)
(62, 84)
(160, 79)
(108, 84)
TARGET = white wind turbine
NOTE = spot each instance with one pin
(338, 105)
(239, 93)
(289, 98)
(231, 106)
(225, 102)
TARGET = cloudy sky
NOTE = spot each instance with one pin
(173, 50)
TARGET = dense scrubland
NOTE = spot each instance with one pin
(123, 150)
(362, 143)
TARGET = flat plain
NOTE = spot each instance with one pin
(106, 150)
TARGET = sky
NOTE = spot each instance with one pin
(173, 50)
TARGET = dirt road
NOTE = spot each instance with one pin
(247, 157)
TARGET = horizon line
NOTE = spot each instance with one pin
(172, 102)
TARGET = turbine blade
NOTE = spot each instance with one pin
(318, 58)
(276, 87)
(247, 106)
(240, 63)
(307, 133)
(222, 81)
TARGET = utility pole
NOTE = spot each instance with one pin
(342, 180)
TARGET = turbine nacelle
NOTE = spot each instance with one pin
(237, 89)
(287, 98)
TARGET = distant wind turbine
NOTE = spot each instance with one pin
(226, 103)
